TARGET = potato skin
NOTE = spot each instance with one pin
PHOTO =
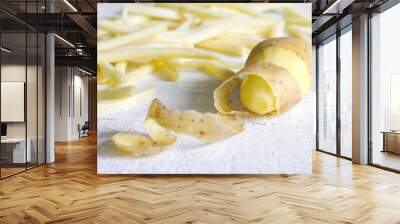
(298, 46)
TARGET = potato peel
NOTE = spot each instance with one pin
(162, 122)
(209, 127)
(284, 65)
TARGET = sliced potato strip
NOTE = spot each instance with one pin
(223, 46)
(114, 27)
(152, 11)
(139, 73)
(295, 31)
(140, 55)
(136, 35)
(293, 17)
(121, 66)
(218, 69)
(106, 107)
(195, 9)
(167, 70)
(194, 35)
(115, 93)
(109, 75)
(278, 30)
(242, 8)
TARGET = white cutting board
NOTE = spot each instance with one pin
(280, 144)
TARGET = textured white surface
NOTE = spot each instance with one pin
(280, 144)
(274, 145)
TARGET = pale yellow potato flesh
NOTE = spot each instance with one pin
(115, 93)
(222, 46)
(256, 95)
(105, 107)
(274, 79)
(167, 70)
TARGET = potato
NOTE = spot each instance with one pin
(290, 53)
(106, 107)
(276, 75)
(256, 95)
(115, 93)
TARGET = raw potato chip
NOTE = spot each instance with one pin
(160, 122)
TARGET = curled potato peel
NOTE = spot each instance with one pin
(162, 122)
(276, 76)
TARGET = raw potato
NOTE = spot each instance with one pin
(136, 35)
(160, 122)
(105, 107)
(276, 76)
(140, 55)
(163, 39)
(115, 93)
(290, 53)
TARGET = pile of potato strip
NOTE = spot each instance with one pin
(164, 39)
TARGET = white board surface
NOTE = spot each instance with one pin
(12, 101)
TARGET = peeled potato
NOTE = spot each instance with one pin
(276, 75)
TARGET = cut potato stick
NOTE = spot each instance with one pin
(297, 22)
(195, 63)
(247, 41)
(152, 11)
(296, 31)
(106, 107)
(121, 66)
(242, 8)
(262, 7)
(167, 70)
(294, 17)
(278, 30)
(114, 27)
(195, 35)
(218, 70)
(131, 37)
(115, 93)
(223, 46)
(109, 75)
(220, 73)
(137, 54)
(138, 74)
(189, 20)
(293, 13)
(196, 9)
